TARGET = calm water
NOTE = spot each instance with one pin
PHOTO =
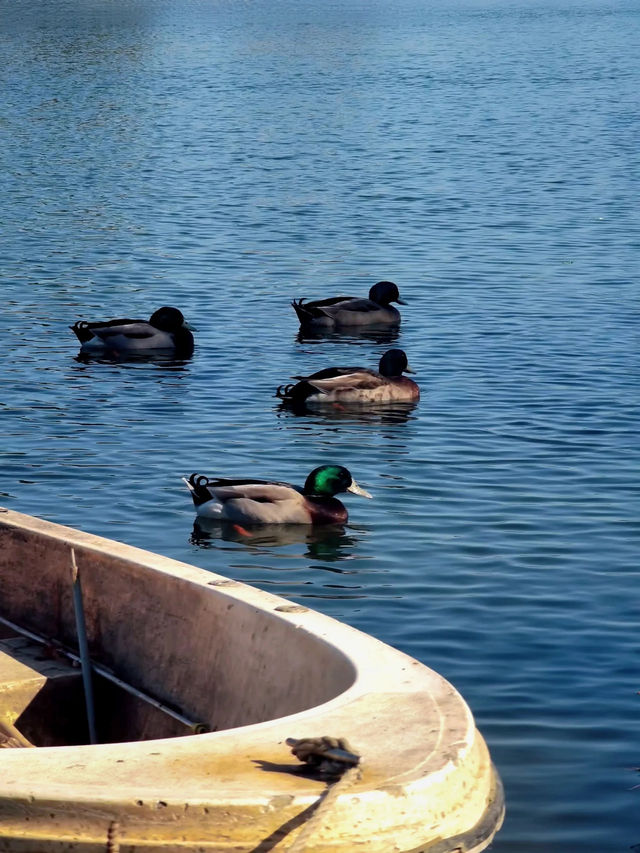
(229, 156)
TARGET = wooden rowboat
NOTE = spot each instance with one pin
(198, 681)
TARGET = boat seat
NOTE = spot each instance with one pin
(42, 696)
(35, 680)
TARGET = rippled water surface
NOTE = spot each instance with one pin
(227, 157)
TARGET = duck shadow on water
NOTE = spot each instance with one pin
(329, 543)
(365, 413)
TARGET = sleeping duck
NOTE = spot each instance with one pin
(166, 329)
(355, 384)
(350, 311)
(266, 502)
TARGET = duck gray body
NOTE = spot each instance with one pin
(166, 329)
(339, 311)
(359, 385)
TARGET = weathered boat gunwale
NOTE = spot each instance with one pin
(426, 780)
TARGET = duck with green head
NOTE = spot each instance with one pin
(272, 502)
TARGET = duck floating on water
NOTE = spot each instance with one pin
(359, 385)
(270, 502)
(340, 311)
(166, 329)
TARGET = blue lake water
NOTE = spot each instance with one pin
(226, 157)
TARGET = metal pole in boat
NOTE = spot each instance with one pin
(83, 646)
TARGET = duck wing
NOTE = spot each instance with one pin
(329, 373)
(307, 311)
(262, 491)
(323, 303)
(135, 330)
(361, 306)
(105, 324)
(87, 331)
(360, 380)
(350, 306)
(140, 337)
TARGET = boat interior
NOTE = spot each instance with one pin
(169, 654)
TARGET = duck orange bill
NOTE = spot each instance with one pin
(358, 490)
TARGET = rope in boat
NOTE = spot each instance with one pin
(334, 761)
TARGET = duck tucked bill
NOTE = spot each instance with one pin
(166, 329)
(355, 384)
(350, 310)
(270, 502)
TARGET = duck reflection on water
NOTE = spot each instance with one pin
(161, 358)
(379, 414)
(355, 335)
(330, 543)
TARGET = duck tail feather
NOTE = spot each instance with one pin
(82, 331)
(284, 391)
(197, 485)
(296, 394)
(304, 315)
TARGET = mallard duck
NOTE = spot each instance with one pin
(355, 384)
(267, 502)
(166, 329)
(350, 310)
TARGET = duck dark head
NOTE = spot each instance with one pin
(167, 319)
(385, 292)
(329, 480)
(394, 363)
